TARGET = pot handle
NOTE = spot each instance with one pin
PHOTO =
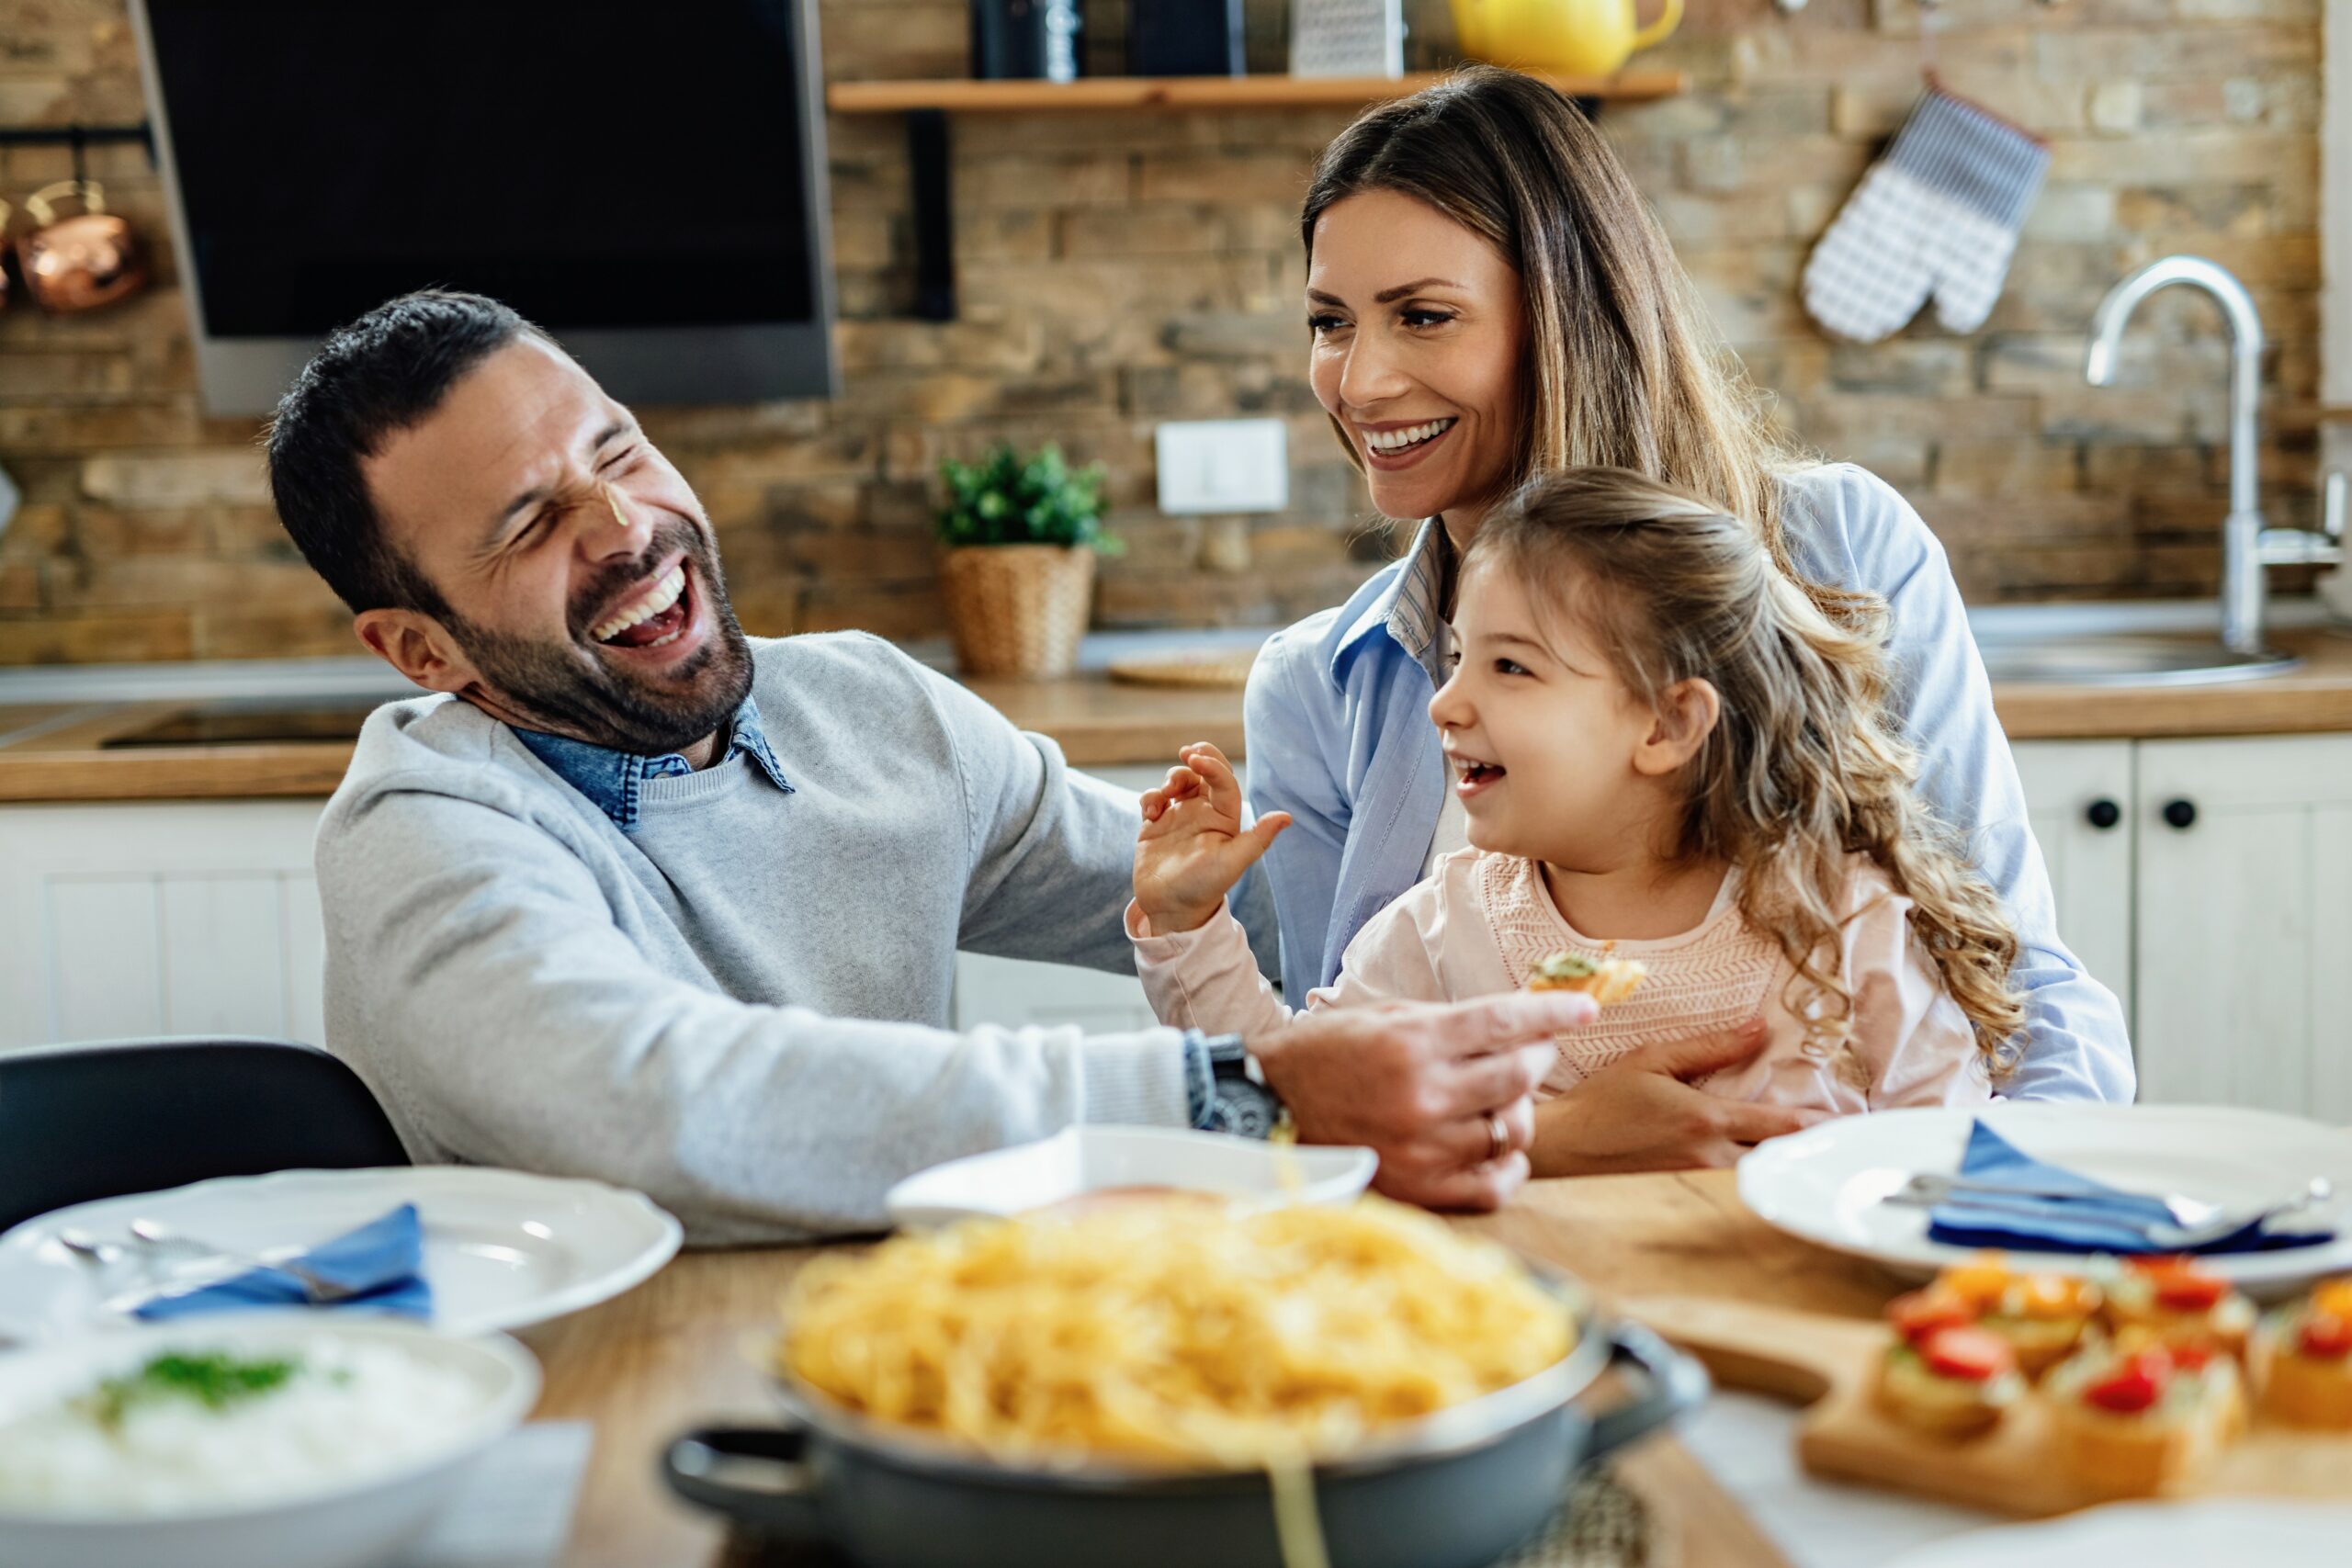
(755, 1475)
(1675, 1383)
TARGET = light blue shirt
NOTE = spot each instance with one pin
(616, 780)
(1339, 737)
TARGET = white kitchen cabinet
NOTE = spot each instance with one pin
(2080, 801)
(2244, 931)
(134, 920)
(121, 920)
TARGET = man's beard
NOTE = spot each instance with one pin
(572, 688)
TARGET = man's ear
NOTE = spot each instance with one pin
(418, 647)
(1686, 713)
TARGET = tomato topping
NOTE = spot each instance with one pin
(1971, 1355)
(2325, 1336)
(2133, 1384)
(2160, 1262)
(2190, 1290)
(2191, 1358)
(1922, 1313)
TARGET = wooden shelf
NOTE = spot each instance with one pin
(1179, 93)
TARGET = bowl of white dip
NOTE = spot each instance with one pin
(277, 1440)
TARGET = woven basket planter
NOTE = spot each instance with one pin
(1017, 609)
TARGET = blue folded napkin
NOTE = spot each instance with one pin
(2106, 1225)
(378, 1262)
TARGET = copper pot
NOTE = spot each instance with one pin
(83, 262)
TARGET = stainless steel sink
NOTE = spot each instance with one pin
(2124, 658)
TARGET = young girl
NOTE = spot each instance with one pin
(1666, 751)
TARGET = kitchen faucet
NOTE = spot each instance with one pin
(2247, 547)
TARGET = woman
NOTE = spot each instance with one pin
(1490, 299)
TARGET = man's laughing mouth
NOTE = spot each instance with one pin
(654, 615)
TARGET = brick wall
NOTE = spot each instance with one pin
(1119, 270)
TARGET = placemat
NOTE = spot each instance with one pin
(1604, 1525)
(513, 1507)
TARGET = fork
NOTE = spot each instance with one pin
(2188, 1213)
(317, 1288)
(2194, 1222)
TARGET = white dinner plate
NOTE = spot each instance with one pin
(1079, 1160)
(1823, 1184)
(2217, 1533)
(502, 1248)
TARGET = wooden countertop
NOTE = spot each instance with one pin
(671, 1354)
(56, 754)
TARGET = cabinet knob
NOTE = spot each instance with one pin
(2181, 813)
(2103, 814)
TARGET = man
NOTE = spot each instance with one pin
(641, 899)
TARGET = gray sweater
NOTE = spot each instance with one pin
(742, 1008)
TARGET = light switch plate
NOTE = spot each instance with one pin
(1222, 465)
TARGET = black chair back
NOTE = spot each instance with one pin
(84, 1121)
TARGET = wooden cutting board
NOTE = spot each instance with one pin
(1827, 1363)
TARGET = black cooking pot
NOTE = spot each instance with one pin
(1458, 1489)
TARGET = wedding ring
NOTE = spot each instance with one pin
(1497, 1137)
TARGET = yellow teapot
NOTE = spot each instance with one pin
(1575, 38)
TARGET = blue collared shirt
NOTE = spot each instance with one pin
(615, 780)
(1339, 737)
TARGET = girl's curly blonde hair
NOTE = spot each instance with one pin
(1804, 767)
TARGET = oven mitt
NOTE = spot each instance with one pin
(1938, 215)
(379, 1261)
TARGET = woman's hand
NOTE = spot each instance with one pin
(1192, 848)
(1641, 1113)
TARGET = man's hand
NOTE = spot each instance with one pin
(1417, 1083)
(1641, 1113)
(1192, 848)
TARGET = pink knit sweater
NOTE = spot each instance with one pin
(1480, 923)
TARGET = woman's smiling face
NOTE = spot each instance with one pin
(1418, 326)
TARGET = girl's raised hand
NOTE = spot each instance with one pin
(1192, 848)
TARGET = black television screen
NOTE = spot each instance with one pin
(607, 168)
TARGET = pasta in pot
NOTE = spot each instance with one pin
(1156, 1332)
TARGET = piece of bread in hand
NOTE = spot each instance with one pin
(1605, 979)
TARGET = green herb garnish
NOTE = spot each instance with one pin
(216, 1381)
(1565, 966)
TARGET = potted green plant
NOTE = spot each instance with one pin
(1018, 572)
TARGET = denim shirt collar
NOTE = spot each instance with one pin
(615, 780)
(1407, 607)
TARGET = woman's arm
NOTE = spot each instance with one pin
(1847, 528)
(1291, 727)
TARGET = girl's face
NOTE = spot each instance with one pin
(1417, 324)
(1554, 756)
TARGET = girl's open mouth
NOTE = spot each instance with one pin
(1475, 777)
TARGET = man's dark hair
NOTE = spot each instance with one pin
(378, 376)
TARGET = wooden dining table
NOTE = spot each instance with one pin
(684, 1349)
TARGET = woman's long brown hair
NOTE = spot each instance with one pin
(1804, 766)
(1623, 366)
